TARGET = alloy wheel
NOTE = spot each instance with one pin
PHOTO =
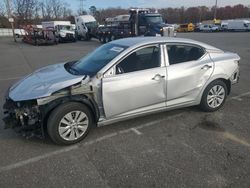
(216, 96)
(73, 125)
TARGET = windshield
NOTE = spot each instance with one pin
(154, 19)
(91, 24)
(96, 60)
(65, 27)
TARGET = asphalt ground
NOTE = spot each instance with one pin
(180, 148)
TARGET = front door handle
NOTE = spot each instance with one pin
(158, 77)
(206, 67)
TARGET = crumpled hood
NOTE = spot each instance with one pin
(43, 82)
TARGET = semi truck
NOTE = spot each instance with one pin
(139, 22)
(64, 30)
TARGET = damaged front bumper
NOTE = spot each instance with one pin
(23, 117)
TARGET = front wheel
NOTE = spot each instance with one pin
(214, 96)
(112, 37)
(102, 39)
(107, 39)
(69, 123)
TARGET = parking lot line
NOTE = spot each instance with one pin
(239, 97)
(234, 138)
(37, 158)
(70, 148)
(136, 131)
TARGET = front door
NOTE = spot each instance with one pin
(138, 84)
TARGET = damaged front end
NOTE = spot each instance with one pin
(29, 102)
(24, 117)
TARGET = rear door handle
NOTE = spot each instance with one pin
(158, 77)
(206, 67)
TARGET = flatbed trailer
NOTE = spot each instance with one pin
(38, 36)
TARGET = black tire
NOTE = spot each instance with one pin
(87, 37)
(102, 39)
(204, 104)
(57, 115)
(112, 37)
(107, 39)
(79, 37)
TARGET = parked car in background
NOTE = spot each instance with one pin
(209, 28)
(19, 33)
(122, 79)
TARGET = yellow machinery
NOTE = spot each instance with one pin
(188, 27)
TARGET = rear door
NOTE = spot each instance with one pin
(138, 85)
(189, 69)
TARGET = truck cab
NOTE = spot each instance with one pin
(146, 23)
(86, 27)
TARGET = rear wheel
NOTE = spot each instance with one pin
(214, 96)
(69, 123)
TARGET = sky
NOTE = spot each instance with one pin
(74, 4)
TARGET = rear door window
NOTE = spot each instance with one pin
(183, 53)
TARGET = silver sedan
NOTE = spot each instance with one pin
(122, 79)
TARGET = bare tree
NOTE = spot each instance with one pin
(24, 9)
(2, 10)
(42, 8)
(81, 11)
(57, 7)
(66, 12)
(47, 10)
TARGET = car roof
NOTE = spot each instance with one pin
(140, 41)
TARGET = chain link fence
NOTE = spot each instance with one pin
(5, 32)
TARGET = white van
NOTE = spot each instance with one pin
(238, 25)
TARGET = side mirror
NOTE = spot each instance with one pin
(110, 72)
(99, 75)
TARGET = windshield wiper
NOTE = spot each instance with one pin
(69, 67)
(73, 70)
